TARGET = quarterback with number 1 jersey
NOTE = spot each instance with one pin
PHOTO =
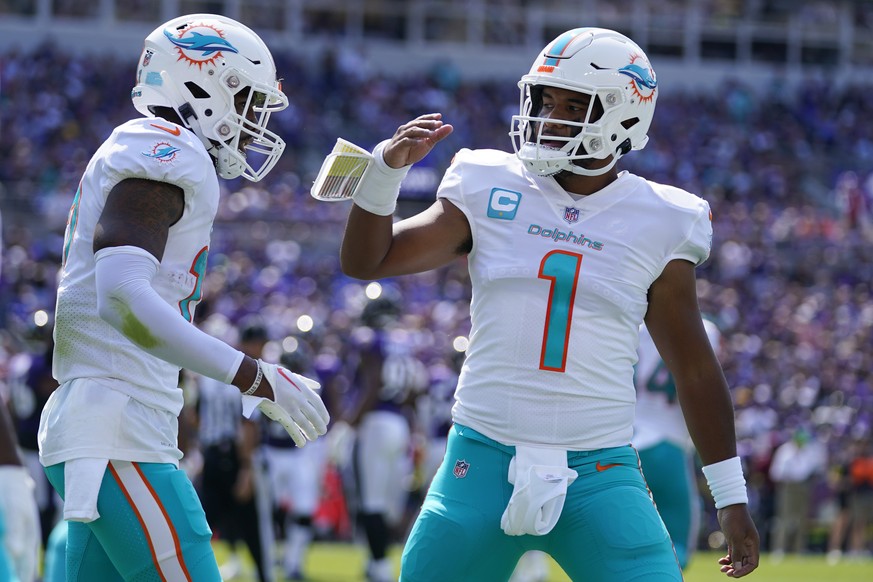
(584, 266)
(567, 257)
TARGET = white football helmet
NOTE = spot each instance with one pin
(196, 65)
(617, 75)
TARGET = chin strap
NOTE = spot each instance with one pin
(556, 161)
(186, 111)
(577, 169)
(191, 121)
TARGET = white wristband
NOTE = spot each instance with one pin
(726, 482)
(380, 185)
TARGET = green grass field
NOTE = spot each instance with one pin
(332, 562)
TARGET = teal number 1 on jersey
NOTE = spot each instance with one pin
(562, 269)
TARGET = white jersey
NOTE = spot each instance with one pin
(88, 351)
(658, 416)
(559, 291)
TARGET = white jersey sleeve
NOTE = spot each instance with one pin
(158, 150)
(698, 244)
(560, 288)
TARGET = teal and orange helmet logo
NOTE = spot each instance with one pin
(643, 81)
(200, 44)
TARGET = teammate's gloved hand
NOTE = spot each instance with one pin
(296, 406)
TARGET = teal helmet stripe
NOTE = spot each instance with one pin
(559, 46)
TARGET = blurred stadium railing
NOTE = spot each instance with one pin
(709, 38)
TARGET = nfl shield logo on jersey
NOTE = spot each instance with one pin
(461, 467)
(571, 214)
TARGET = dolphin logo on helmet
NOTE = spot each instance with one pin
(207, 45)
(643, 79)
(641, 76)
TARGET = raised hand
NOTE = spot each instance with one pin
(413, 140)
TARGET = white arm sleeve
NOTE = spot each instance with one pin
(128, 302)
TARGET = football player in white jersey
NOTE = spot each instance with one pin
(134, 256)
(664, 446)
(567, 257)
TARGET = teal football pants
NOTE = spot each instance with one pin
(151, 528)
(609, 530)
(669, 471)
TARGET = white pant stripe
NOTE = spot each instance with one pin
(162, 538)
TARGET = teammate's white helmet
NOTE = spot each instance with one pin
(196, 64)
(617, 75)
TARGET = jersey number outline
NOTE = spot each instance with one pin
(561, 268)
(661, 382)
(72, 223)
(198, 269)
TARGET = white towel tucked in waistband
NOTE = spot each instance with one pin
(541, 478)
(82, 480)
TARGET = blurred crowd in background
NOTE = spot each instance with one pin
(790, 280)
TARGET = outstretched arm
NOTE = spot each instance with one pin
(373, 245)
(674, 320)
(129, 243)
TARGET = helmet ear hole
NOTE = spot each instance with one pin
(629, 123)
(196, 90)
